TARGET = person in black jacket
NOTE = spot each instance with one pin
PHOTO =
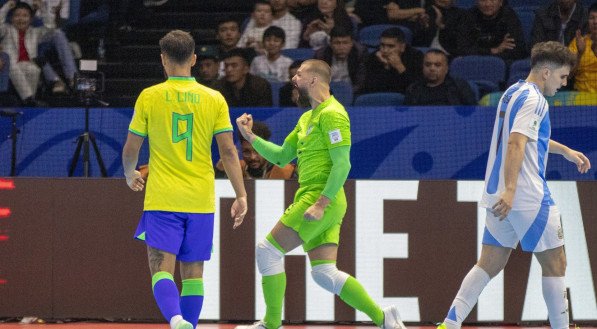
(437, 87)
(394, 66)
(491, 28)
(239, 87)
(442, 31)
(558, 21)
(318, 25)
(345, 56)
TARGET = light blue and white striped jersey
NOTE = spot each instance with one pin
(522, 109)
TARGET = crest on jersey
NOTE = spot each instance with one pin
(335, 136)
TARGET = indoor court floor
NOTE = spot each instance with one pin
(88, 325)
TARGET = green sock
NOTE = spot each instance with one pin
(274, 288)
(355, 295)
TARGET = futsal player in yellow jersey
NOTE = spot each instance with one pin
(180, 117)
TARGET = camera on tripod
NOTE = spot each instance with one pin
(89, 84)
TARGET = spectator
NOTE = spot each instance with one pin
(288, 94)
(20, 41)
(318, 25)
(53, 14)
(491, 28)
(409, 13)
(253, 165)
(228, 35)
(6, 98)
(283, 18)
(273, 66)
(585, 47)
(444, 19)
(252, 36)
(346, 58)
(437, 87)
(239, 87)
(558, 21)
(302, 8)
(394, 66)
(209, 66)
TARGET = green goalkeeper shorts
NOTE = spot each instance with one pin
(315, 233)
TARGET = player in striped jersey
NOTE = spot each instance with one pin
(518, 202)
(180, 117)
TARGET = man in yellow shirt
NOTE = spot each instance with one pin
(180, 117)
(585, 48)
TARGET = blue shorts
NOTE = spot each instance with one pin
(186, 235)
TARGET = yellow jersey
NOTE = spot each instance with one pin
(586, 71)
(180, 117)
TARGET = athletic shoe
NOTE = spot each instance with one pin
(442, 326)
(392, 318)
(182, 324)
(257, 325)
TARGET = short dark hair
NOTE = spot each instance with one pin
(262, 2)
(551, 53)
(178, 46)
(339, 32)
(274, 31)
(394, 33)
(240, 52)
(260, 129)
(23, 5)
(228, 19)
(593, 7)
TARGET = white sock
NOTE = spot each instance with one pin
(174, 321)
(554, 293)
(466, 298)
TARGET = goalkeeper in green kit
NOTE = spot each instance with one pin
(321, 143)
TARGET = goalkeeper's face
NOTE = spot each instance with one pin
(301, 81)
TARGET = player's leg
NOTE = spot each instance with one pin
(163, 233)
(165, 292)
(492, 261)
(269, 254)
(549, 250)
(196, 248)
(499, 239)
(326, 274)
(191, 296)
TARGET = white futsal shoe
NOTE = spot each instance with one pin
(182, 324)
(257, 325)
(392, 319)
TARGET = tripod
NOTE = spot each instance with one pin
(83, 142)
(13, 136)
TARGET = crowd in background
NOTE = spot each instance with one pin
(252, 60)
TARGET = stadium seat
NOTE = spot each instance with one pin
(4, 72)
(342, 91)
(299, 54)
(369, 35)
(488, 72)
(475, 89)
(527, 18)
(276, 92)
(526, 4)
(379, 99)
(519, 70)
(465, 3)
